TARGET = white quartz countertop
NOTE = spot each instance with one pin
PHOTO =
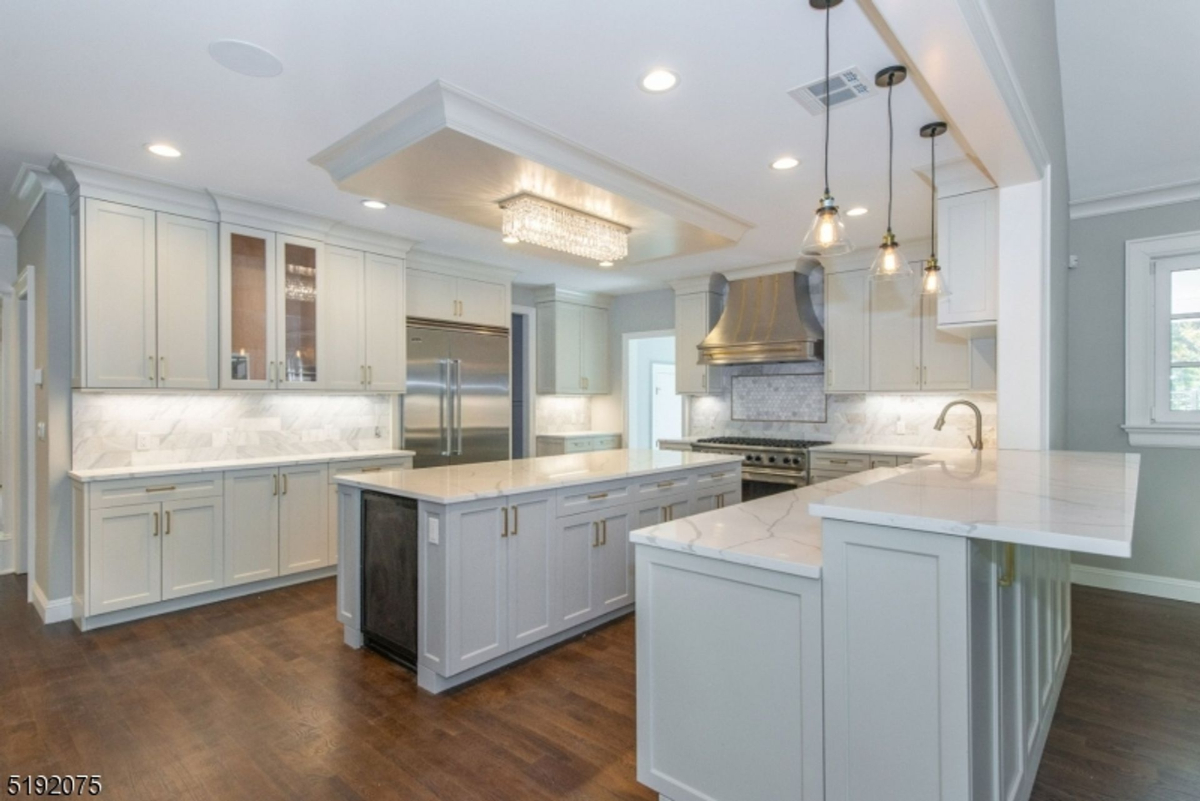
(888, 450)
(1074, 501)
(776, 532)
(147, 471)
(579, 434)
(467, 482)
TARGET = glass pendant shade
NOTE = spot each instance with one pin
(827, 234)
(889, 261)
(933, 280)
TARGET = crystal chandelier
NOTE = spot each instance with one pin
(532, 219)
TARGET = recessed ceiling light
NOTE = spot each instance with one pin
(606, 264)
(659, 80)
(510, 240)
(785, 163)
(245, 58)
(857, 211)
(374, 204)
(164, 150)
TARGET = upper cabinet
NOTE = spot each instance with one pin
(437, 295)
(572, 343)
(968, 250)
(364, 345)
(147, 292)
(697, 309)
(847, 331)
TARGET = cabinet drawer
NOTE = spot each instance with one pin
(578, 445)
(597, 496)
(655, 486)
(717, 475)
(606, 443)
(817, 476)
(127, 491)
(369, 466)
(845, 462)
(883, 461)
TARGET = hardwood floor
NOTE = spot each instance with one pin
(257, 698)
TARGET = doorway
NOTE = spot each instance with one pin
(653, 411)
(521, 340)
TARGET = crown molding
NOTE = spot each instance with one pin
(553, 293)
(239, 210)
(803, 264)
(350, 236)
(713, 282)
(1135, 199)
(31, 185)
(454, 265)
(85, 179)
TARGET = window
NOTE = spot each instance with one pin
(1162, 348)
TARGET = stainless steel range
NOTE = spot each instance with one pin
(769, 466)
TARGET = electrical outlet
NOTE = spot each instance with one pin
(144, 441)
(900, 427)
(378, 432)
(434, 531)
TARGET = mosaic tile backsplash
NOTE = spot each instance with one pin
(778, 398)
(204, 427)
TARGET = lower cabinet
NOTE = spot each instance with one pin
(193, 547)
(716, 498)
(531, 591)
(277, 520)
(303, 518)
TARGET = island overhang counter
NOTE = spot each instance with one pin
(901, 633)
(459, 571)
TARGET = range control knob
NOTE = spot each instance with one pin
(771, 460)
(787, 460)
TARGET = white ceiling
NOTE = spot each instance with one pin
(1129, 94)
(99, 82)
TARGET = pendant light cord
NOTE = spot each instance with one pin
(891, 149)
(827, 109)
(932, 199)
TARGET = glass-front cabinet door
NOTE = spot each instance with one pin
(298, 299)
(248, 308)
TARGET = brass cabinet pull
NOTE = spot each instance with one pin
(371, 470)
(161, 489)
(516, 520)
(162, 368)
(595, 533)
(504, 533)
(604, 532)
(839, 461)
(155, 524)
(150, 375)
(599, 496)
(285, 483)
(720, 501)
(167, 529)
(665, 484)
(275, 484)
(370, 375)
(1009, 576)
(662, 514)
(362, 374)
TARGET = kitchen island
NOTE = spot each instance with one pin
(461, 570)
(901, 633)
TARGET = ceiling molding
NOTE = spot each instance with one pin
(240, 210)
(957, 177)
(712, 282)
(31, 185)
(554, 293)
(454, 265)
(349, 236)
(1135, 199)
(88, 179)
(802, 264)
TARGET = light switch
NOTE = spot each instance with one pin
(434, 530)
(144, 441)
(38, 379)
(41, 431)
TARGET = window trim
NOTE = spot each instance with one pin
(1146, 424)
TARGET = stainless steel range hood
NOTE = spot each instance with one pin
(770, 318)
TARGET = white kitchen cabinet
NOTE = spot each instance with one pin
(847, 331)
(124, 557)
(895, 363)
(364, 342)
(695, 315)
(612, 564)
(248, 308)
(572, 338)
(559, 444)
(530, 556)
(711, 498)
(478, 582)
(303, 518)
(188, 257)
(193, 547)
(945, 358)
(457, 298)
(386, 333)
(251, 525)
(577, 539)
(968, 249)
(299, 289)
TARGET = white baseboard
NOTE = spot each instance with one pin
(55, 611)
(1139, 583)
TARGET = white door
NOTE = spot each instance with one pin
(343, 362)
(847, 331)
(188, 302)
(895, 334)
(121, 308)
(482, 302)
(568, 348)
(478, 573)
(945, 358)
(576, 543)
(594, 353)
(530, 590)
(386, 337)
(251, 525)
(193, 547)
(666, 410)
(432, 296)
(248, 308)
(613, 565)
(124, 557)
(303, 518)
(299, 289)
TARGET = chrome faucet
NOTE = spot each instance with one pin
(977, 442)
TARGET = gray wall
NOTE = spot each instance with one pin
(44, 244)
(644, 354)
(644, 311)
(1166, 539)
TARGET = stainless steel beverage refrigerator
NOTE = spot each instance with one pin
(457, 407)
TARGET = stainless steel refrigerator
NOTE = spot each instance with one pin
(457, 409)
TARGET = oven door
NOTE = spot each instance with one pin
(760, 483)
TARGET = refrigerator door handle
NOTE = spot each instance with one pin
(458, 406)
(446, 410)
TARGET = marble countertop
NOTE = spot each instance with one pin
(148, 471)
(1074, 501)
(579, 434)
(889, 450)
(467, 482)
(776, 532)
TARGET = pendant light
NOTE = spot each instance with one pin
(890, 262)
(933, 280)
(827, 234)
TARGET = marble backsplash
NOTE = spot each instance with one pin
(563, 414)
(181, 428)
(776, 405)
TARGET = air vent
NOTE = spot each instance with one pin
(844, 87)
